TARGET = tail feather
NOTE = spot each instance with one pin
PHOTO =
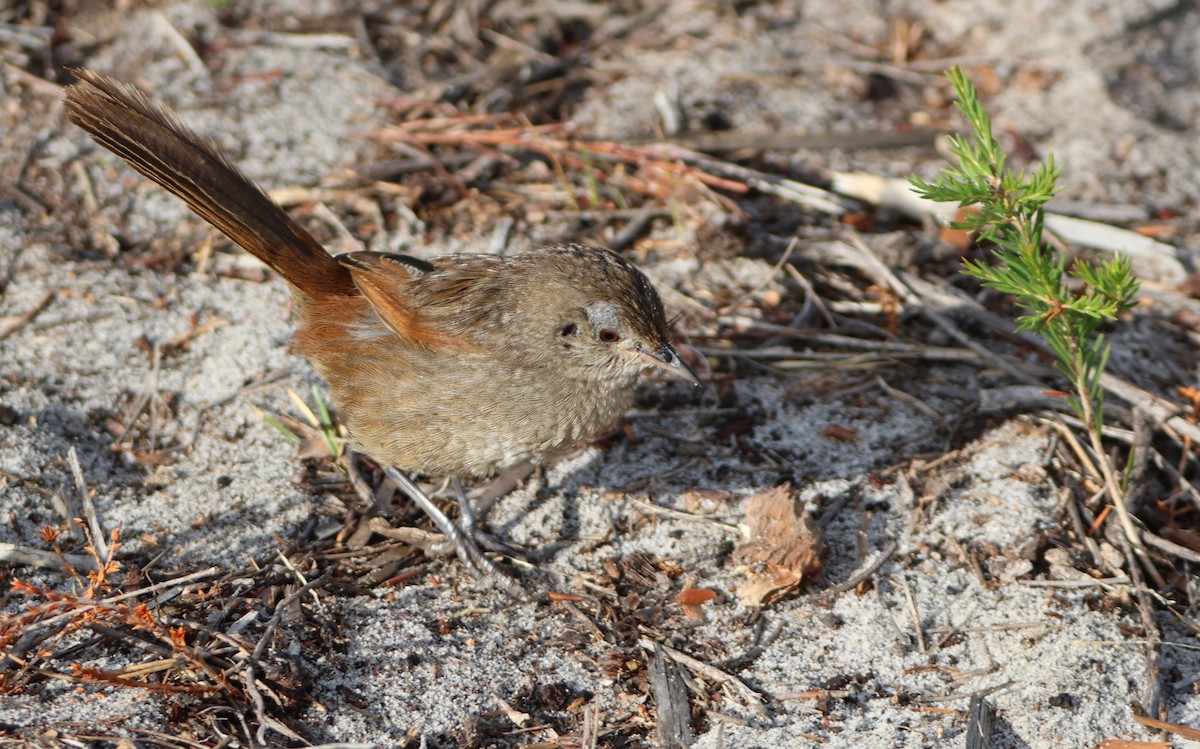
(154, 142)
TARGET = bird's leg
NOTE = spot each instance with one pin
(466, 511)
(462, 540)
(471, 514)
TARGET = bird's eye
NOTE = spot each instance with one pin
(569, 329)
(609, 336)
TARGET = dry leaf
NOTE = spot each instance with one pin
(691, 600)
(785, 547)
(707, 501)
(841, 433)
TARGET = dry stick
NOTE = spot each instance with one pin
(634, 229)
(186, 52)
(264, 721)
(1127, 526)
(149, 646)
(750, 697)
(1184, 485)
(13, 325)
(248, 678)
(32, 637)
(164, 740)
(303, 581)
(670, 697)
(737, 141)
(99, 542)
(912, 610)
(358, 483)
(589, 734)
(751, 324)
(1108, 583)
(1116, 493)
(1162, 412)
(911, 400)
(1152, 695)
(106, 602)
(1081, 533)
(1072, 442)
(682, 515)
(147, 398)
(703, 168)
(1186, 732)
(1170, 547)
(29, 556)
(811, 299)
(979, 727)
(791, 190)
(932, 311)
(853, 582)
(908, 288)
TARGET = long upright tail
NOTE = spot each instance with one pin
(122, 119)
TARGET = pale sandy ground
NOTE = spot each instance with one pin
(1062, 672)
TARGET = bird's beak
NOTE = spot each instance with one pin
(667, 358)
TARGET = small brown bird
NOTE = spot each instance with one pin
(464, 365)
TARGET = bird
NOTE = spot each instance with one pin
(464, 365)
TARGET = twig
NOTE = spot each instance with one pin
(1103, 582)
(737, 141)
(634, 229)
(1186, 732)
(1184, 485)
(357, 482)
(979, 727)
(790, 190)
(89, 510)
(14, 324)
(1150, 699)
(681, 515)
(1170, 547)
(670, 697)
(1161, 411)
(303, 581)
(166, 584)
(33, 557)
(912, 611)
(1081, 533)
(1108, 479)
(852, 582)
(589, 733)
(811, 299)
(911, 400)
(187, 53)
(750, 697)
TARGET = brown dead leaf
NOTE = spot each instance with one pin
(695, 596)
(313, 446)
(959, 239)
(692, 599)
(785, 547)
(707, 501)
(841, 433)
